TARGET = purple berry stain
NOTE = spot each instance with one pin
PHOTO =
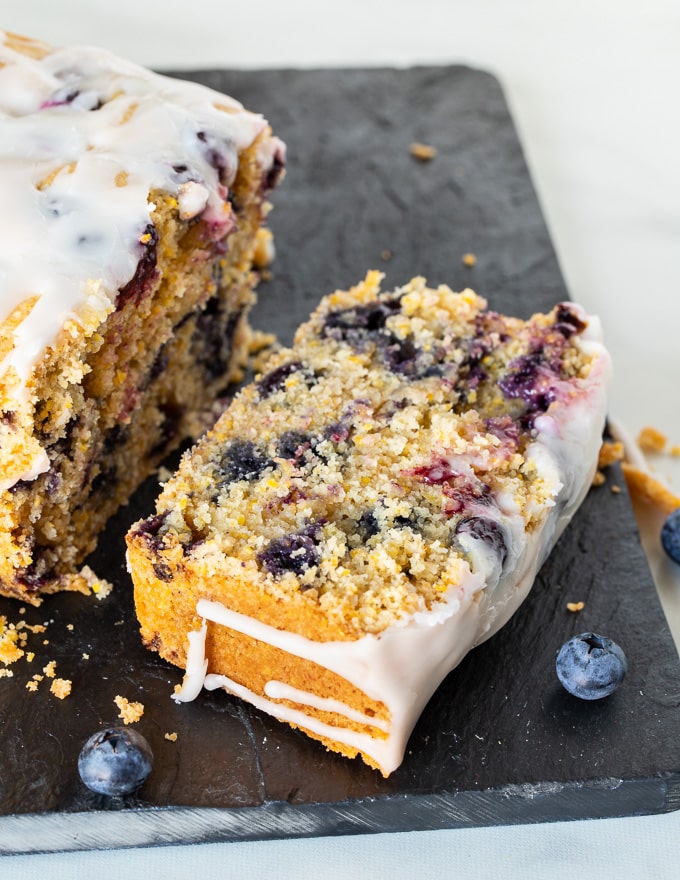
(459, 490)
(145, 273)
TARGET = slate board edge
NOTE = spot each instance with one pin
(513, 805)
(166, 825)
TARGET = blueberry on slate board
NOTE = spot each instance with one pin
(115, 761)
(670, 535)
(590, 666)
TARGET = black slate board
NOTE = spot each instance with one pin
(500, 742)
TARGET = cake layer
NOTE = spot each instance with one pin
(133, 207)
(376, 504)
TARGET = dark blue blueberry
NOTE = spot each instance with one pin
(276, 379)
(242, 460)
(106, 479)
(529, 378)
(115, 761)
(212, 341)
(670, 535)
(400, 355)
(567, 321)
(275, 172)
(157, 368)
(360, 325)
(505, 429)
(145, 272)
(407, 522)
(291, 444)
(471, 372)
(337, 432)
(521, 376)
(217, 152)
(485, 529)
(590, 666)
(34, 576)
(294, 553)
(162, 571)
(367, 525)
(150, 528)
(360, 322)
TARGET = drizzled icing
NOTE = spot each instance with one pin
(84, 138)
(404, 664)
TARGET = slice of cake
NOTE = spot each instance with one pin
(131, 209)
(371, 508)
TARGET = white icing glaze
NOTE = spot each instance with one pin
(279, 690)
(124, 134)
(403, 665)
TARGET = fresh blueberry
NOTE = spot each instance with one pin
(670, 535)
(115, 761)
(590, 666)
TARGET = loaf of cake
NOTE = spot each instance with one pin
(133, 205)
(373, 506)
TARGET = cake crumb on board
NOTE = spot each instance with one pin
(129, 711)
(422, 152)
(643, 484)
(61, 688)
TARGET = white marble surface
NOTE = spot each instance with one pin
(593, 88)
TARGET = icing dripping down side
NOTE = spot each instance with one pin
(403, 665)
(85, 137)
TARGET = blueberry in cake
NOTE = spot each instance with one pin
(133, 208)
(373, 506)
